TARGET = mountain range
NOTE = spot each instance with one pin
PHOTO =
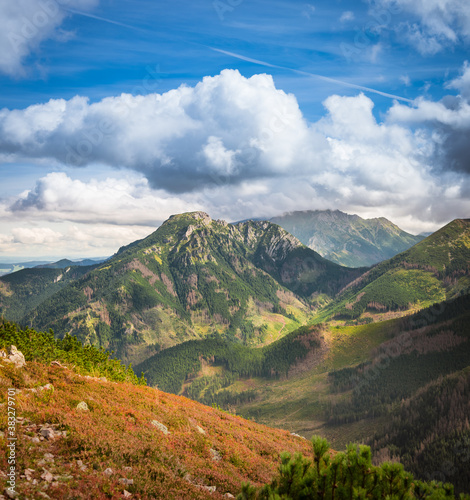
(192, 277)
(346, 239)
(246, 317)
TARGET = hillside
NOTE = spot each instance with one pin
(347, 239)
(400, 386)
(127, 438)
(435, 269)
(72, 434)
(191, 278)
(344, 383)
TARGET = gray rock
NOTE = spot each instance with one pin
(126, 481)
(108, 472)
(160, 426)
(10, 493)
(48, 433)
(16, 357)
(47, 476)
(82, 406)
(215, 455)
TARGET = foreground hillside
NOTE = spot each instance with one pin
(346, 239)
(86, 437)
(194, 276)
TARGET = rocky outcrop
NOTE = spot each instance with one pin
(13, 356)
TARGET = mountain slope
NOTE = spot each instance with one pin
(192, 277)
(400, 385)
(346, 239)
(130, 438)
(435, 269)
(22, 291)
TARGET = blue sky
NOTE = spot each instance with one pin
(363, 107)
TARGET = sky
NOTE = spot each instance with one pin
(116, 114)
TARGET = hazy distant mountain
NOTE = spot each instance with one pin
(347, 239)
(63, 263)
(192, 277)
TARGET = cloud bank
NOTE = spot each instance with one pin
(239, 147)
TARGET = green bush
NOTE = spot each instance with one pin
(347, 475)
(43, 347)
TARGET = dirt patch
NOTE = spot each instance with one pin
(146, 272)
(169, 285)
(88, 291)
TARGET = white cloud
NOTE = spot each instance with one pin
(446, 124)
(405, 79)
(24, 24)
(227, 127)
(114, 201)
(35, 236)
(75, 241)
(441, 22)
(462, 83)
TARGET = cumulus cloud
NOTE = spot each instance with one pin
(228, 128)
(441, 23)
(24, 24)
(76, 241)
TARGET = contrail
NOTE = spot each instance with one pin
(314, 75)
(254, 61)
(110, 21)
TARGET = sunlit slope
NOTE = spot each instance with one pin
(435, 269)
